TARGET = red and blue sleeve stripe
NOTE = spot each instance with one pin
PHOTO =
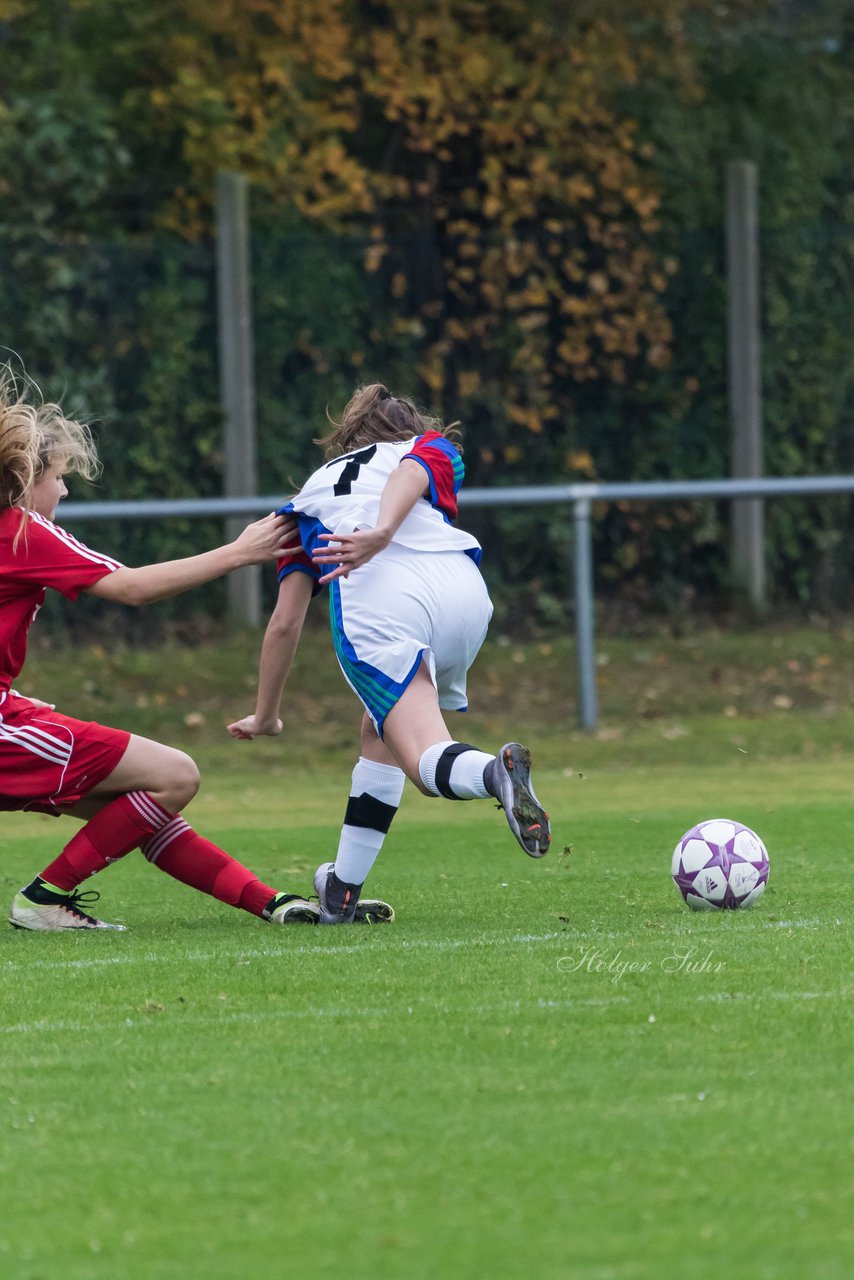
(444, 467)
(300, 561)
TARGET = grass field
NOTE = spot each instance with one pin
(547, 1069)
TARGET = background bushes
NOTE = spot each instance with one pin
(517, 220)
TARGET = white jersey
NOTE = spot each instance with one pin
(402, 608)
(344, 495)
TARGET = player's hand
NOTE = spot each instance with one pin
(268, 539)
(37, 702)
(250, 727)
(345, 552)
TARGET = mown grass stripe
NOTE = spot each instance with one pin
(385, 1012)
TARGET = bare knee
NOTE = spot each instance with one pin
(180, 782)
(188, 779)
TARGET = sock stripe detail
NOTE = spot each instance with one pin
(367, 811)
(153, 847)
(445, 764)
(149, 809)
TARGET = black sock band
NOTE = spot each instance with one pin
(367, 811)
(445, 764)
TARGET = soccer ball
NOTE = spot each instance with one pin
(720, 864)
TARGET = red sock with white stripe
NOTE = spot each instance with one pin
(185, 855)
(170, 843)
(116, 829)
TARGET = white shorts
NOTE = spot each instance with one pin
(403, 606)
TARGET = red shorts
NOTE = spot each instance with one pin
(49, 761)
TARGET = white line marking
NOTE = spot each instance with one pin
(143, 1019)
(721, 997)
(796, 924)
(257, 953)
(387, 944)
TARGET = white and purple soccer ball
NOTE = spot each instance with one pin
(720, 864)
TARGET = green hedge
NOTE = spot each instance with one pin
(118, 321)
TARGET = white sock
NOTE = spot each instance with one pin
(467, 775)
(375, 794)
(465, 779)
(427, 765)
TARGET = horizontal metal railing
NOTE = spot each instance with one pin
(581, 497)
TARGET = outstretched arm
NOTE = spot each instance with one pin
(281, 641)
(264, 540)
(347, 551)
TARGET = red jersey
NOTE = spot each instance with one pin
(46, 556)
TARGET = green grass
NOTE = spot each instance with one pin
(547, 1070)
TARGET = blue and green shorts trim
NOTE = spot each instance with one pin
(377, 691)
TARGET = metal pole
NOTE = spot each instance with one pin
(582, 496)
(745, 373)
(584, 605)
(236, 365)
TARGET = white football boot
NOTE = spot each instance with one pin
(42, 910)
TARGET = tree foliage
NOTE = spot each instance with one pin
(512, 209)
(483, 134)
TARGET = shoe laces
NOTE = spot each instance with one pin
(76, 901)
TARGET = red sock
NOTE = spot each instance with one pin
(181, 852)
(116, 829)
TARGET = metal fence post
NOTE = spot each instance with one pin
(745, 373)
(237, 374)
(584, 604)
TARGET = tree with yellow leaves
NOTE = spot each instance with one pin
(479, 149)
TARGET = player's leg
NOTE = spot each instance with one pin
(56, 762)
(406, 669)
(170, 778)
(416, 733)
(136, 805)
(376, 788)
(457, 770)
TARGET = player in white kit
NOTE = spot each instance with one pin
(409, 611)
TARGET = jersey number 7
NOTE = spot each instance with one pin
(355, 462)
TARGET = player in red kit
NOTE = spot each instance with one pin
(129, 790)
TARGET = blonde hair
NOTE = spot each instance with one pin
(373, 415)
(33, 434)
